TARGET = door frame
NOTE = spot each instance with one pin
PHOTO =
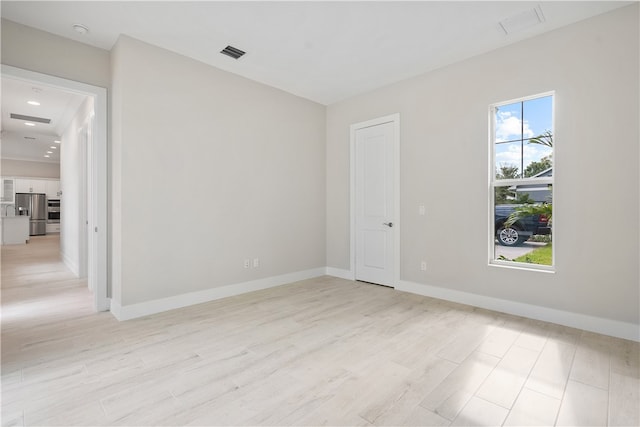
(96, 168)
(395, 119)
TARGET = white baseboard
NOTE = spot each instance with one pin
(339, 272)
(71, 264)
(599, 325)
(146, 308)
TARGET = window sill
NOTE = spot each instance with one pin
(523, 266)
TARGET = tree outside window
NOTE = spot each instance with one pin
(521, 196)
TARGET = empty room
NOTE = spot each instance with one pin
(307, 213)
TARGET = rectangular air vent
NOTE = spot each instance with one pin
(233, 52)
(522, 21)
(30, 118)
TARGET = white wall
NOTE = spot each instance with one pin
(12, 167)
(593, 67)
(73, 185)
(209, 169)
(36, 50)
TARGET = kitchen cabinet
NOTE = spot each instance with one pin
(53, 189)
(35, 185)
(53, 228)
(14, 229)
(27, 185)
(8, 188)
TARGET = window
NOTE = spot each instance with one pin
(521, 182)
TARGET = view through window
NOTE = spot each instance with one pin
(522, 145)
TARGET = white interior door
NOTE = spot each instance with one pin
(375, 219)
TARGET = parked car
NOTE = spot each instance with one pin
(521, 230)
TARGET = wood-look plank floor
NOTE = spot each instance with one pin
(324, 351)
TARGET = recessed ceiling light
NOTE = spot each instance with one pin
(33, 103)
(46, 155)
(54, 147)
(29, 124)
(80, 29)
(49, 152)
(57, 141)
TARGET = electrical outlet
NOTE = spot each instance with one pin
(421, 209)
(247, 263)
(256, 262)
(423, 266)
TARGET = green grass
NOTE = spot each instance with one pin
(540, 256)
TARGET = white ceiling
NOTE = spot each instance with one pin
(33, 143)
(322, 51)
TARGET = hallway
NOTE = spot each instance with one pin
(38, 288)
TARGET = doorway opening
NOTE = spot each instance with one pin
(91, 185)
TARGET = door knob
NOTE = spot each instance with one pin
(388, 224)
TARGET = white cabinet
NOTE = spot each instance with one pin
(53, 189)
(27, 185)
(33, 185)
(39, 185)
(15, 229)
(23, 185)
(53, 228)
(8, 189)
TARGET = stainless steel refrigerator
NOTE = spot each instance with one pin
(35, 206)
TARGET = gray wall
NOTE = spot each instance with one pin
(209, 169)
(11, 167)
(593, 67)
(35, 50)
(263, 161)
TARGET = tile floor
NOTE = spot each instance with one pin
(324, 351)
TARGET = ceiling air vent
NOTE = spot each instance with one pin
(522, 21)
(233, 52)
(29, 137)
(30, 118)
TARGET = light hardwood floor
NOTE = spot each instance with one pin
(318, 352)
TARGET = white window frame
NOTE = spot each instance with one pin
(493, 183)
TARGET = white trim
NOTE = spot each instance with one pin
(98, 168)
(395, 119)
(524, 181)
(522, 266)
(71, 264)
(599, 325)
(341, 273)
(184, 300)
(525, 98)
(494, 183)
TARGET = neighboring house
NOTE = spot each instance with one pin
(537, 192)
